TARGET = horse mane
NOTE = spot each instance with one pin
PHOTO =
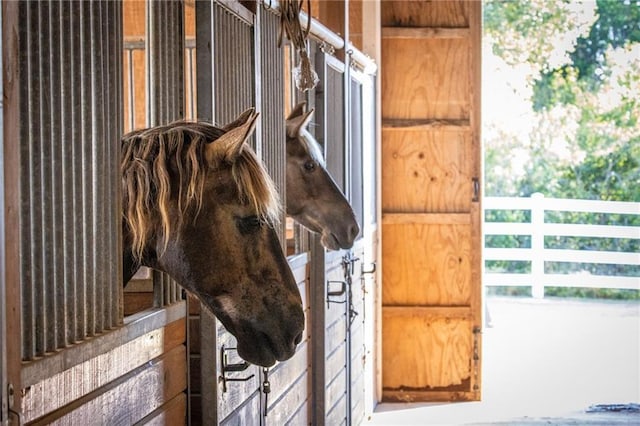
(148, 158)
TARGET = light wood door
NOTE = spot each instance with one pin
(431, 240)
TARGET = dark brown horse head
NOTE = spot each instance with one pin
(313, 198)
(198, 205)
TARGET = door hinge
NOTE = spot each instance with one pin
(476, 357)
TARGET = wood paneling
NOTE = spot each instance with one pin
(189, 18)
(403, 13)
(137, 302)
(248, 414)
(426, 171)
(79, 381)
(131, 397)
(172, 413)
(355, 23)
(434, 259)
(431, 243)
(424, 32)
(289, 387)
(422, 78)
(423, 352)
(134, 19)
(134, 79)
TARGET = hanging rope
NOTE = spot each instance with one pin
(304, 76)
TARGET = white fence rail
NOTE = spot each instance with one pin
(537, 229)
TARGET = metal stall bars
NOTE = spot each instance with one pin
(66, 108)
(69, 156)
(66, 101)
(242, 68)
(165, 59)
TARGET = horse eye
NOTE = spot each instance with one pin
(249, 224)
(310, 166)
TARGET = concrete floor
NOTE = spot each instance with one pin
(545, 362)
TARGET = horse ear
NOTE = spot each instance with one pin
(297, 110)
(296, 124)
(229, 145)
(242, 118)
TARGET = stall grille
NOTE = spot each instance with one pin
(71, 285)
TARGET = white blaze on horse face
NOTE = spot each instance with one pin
(312, 146)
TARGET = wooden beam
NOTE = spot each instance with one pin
(426, 218)
(424, 124)
(392, 395)
(131, 397)
(135, 326)
(424, 32)
(10, 214)
(43, 397)
(450, 312)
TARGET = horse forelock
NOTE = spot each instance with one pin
(147, 157)
(312, 146)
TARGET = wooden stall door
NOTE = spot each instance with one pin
(431, 294)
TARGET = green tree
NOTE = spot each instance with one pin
(584, 143)
(618, 23)
(584, 137)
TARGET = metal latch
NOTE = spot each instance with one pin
(231, 368)
(11, 403)
(332, 292)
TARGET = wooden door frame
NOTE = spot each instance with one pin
(9, 215)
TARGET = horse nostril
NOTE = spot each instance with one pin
(353, 231)
(298, 338)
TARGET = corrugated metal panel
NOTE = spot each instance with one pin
(71, 105)
(330, 105)
(234, 80)
(272, 107)
(165, 59)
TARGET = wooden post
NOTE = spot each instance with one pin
(9, 215)
(537, 245)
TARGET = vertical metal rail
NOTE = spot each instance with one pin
(234, 81)
(334, 142)
(70, 123)
(205, 54)
(165, 76)
(272, 108)
(356, 149)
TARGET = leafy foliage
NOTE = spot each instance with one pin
(618, 23)
(583, 137)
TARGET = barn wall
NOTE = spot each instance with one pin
(100, 372)
(72, 356)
